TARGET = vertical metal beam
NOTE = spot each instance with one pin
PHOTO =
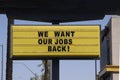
(55, 62)
(9, 62)
(55, 69)
(50, 69)
(46, 70)
(95, 69)
(2, 64)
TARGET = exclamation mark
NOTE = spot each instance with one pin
(68, 48)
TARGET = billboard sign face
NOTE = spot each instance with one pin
(55, 41)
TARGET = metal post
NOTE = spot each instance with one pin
(55, 63)
(50, 69)
(2, 63)
(95, 69)
(46, 70)
(55, 69)
(9, 60)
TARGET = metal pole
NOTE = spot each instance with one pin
(55, 62)
(50, 69)
(46, 70)
(2, 63)
(9, 61)
(95, 69)
(55, 69)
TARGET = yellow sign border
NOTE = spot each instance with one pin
(91, 56)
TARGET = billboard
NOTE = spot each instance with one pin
(64, 41)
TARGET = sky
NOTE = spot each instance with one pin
(69, 69)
